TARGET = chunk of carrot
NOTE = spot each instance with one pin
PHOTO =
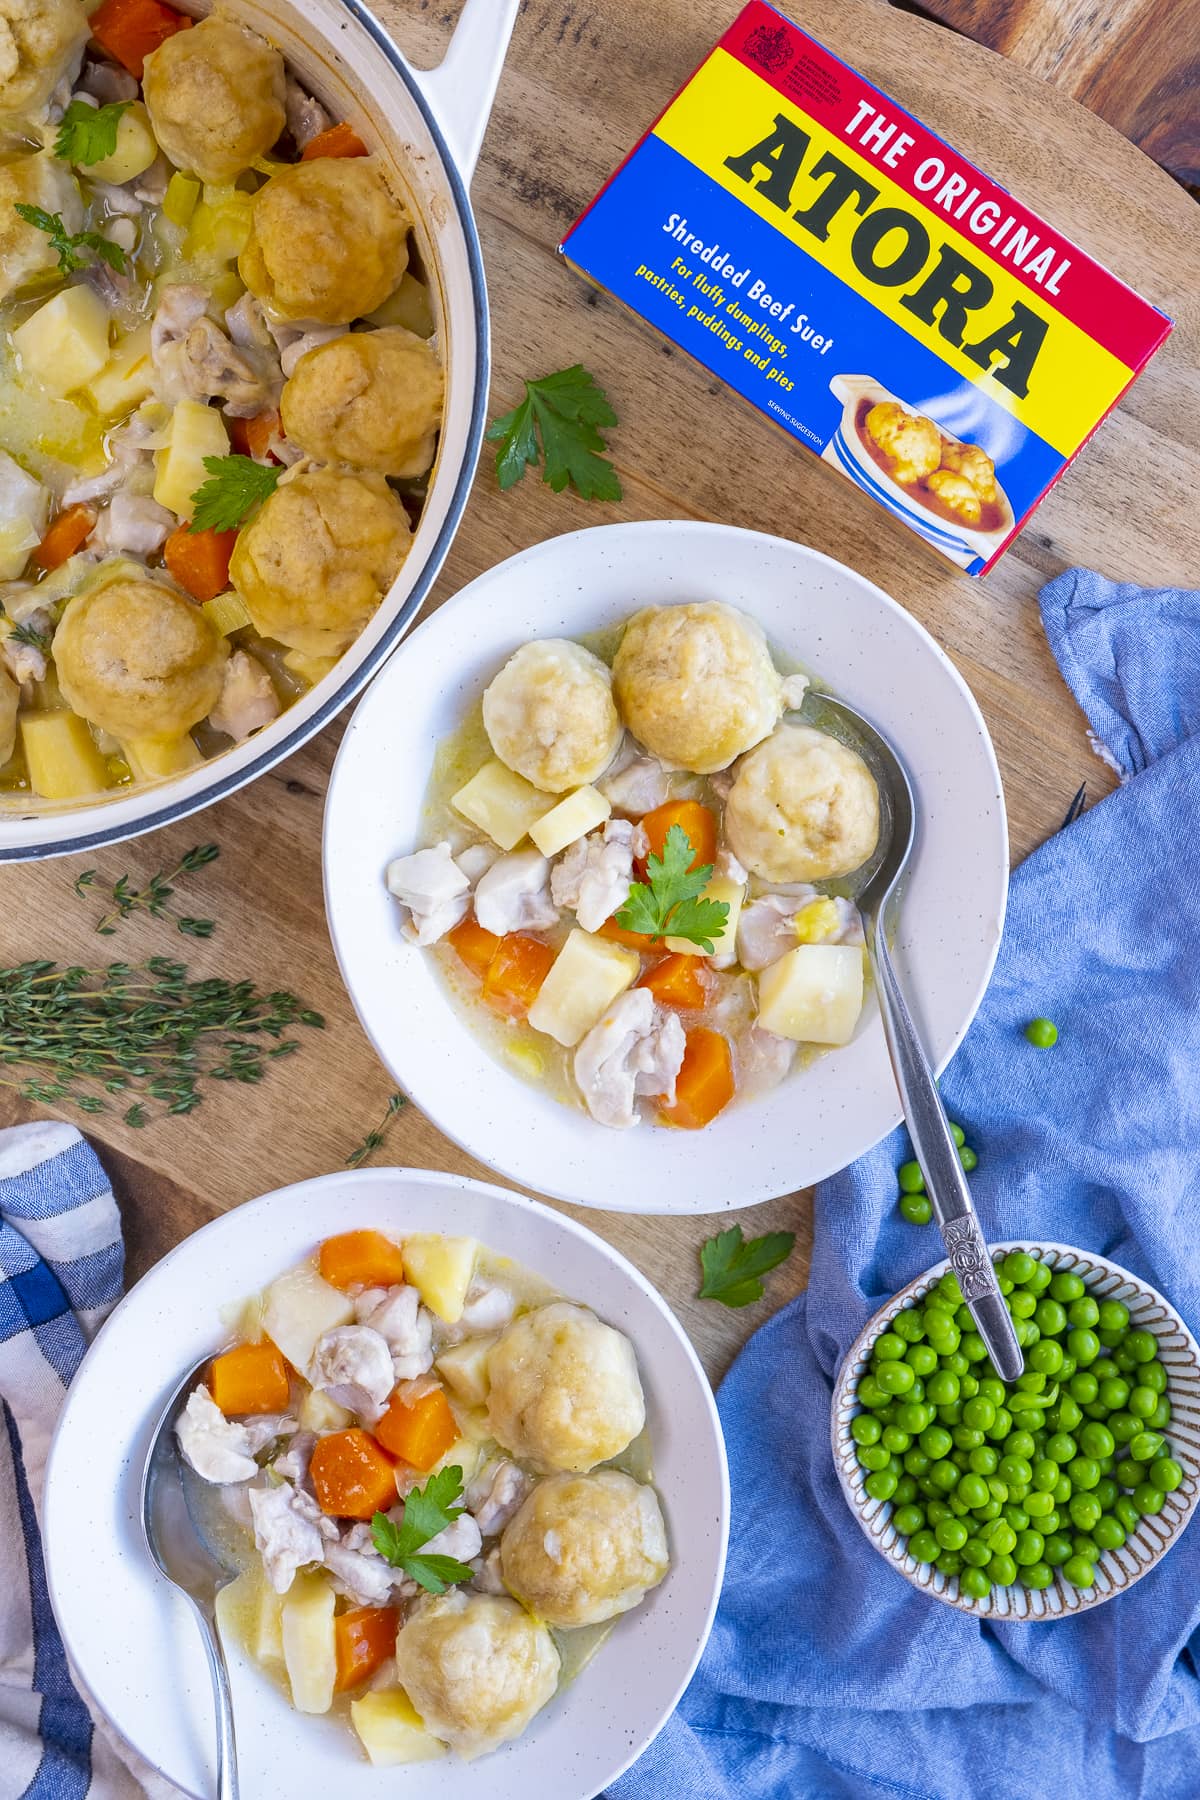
(351, 1476)
(419, 1433)
(677, 980)
(199, 560)
(72, 526)
(632, 940)
(252, 437)
(363, 1641)
(705, 1082)
(475, 945)
(251, 1378)
(336, 140)
(366, 1258)
(129, 30)
(515, 974)
(696, 820)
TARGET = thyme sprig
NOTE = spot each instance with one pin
(142, 1029)
(154, 896)
(375, 1137)
(30, 635)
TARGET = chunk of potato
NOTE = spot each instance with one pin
(732, 893)
(309, 668)
(570, 820)
(440, 1268)
(391, 1731)
(814, 994)
(464, 1368)
(319, 1413)
(126, 379)
(501, 803)
(411, 306)
(196, 431)
(133, 152)
(61, 756)
(153, 758)
(64, 344)
(250, 1612)
(309, 1642)
(298, 1309)
(586, 977)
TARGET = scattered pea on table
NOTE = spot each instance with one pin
(1042, 1033)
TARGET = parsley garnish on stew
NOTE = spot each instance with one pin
(236, 487)
(668, 903)
(427, 1511)
(566, 411)
(73, 252)
(88, 134)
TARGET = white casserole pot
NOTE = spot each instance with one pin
(428, 128)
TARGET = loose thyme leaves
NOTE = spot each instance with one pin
(375, 1138)
(29, 634)
(154, 896)
(565, 411)
(73, 251)
(141, 1029)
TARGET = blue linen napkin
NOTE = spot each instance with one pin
(828, 1677)
(61, 1268)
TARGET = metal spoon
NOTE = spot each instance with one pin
(191, 1565)
(875, 885)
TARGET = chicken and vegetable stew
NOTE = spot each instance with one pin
(630, 869)
(435, 1473)
(220, 391)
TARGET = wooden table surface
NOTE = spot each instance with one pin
(583, 80)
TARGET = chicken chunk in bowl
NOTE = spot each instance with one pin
(360, 1447)
(634, 872)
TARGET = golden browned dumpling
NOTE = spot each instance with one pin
(565, 1391)
(215, 98)
(315, 562)
(913, 444)
(696, 684)
(39, 41)
(477, 1668)
(371, 398)
(26, 258)
(803, 807)
(584, 1548)
(958, 494)
(137, 659)
(973, 464)
(328, 241)
(549, 715)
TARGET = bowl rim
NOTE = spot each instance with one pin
(851, 1485)
(363, 671)
(383, 1176)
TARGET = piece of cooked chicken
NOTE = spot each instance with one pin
(215, 95)
(514, 894)
(433, 888)
(137, 659)
(26, 258)
(369, 398)
(328, 241)
(911, 442)
(635, 1049)
(404, 1325)
(248, 699)
(286, 1537)
(40, 41)
(594, 874)
(353, 1365)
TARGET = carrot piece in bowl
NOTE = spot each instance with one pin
(420, 1433)
(515, 974)
(199, 560)
(696, 820)
(72, 526)
(705, 1082)
(366, 1258)
(677, 980)
(363, 1640)
(351, 1476)
(251, 1378)
(335, 140)
(128, 30)
(475, 945)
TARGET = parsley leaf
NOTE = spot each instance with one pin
(236, 487)
(669, 905)
(88, 134)
(427, 1511)
(566, 411)
(731, 1266)
(73, 252)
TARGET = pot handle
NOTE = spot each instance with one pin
(462, 87)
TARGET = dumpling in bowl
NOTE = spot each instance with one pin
(137, 659)
(912, 443)
(696, 684)
(26, 257)
(328, 241)
(371, 398)
(549, 715)
(39, 41)
(477, 1668)
(584, 1548)
(215, 95)
(803, 807)
(314, 563)
(565, 1391)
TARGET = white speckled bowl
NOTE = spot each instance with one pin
(1117, 1569)
(130, 1636)
(818, 613)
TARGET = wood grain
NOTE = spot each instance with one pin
(1135, 62)
(584, 79)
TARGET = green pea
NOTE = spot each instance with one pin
(950, 1415)
(1079, 1572)
(976, 1553)
(1124, 1426)
(1108, 1532)
(908, 1519)
(1050, 1522)
(973, 1490)
(1160, 1418)
(979, 1413)
(1114, 1315)
(936, 1442)
(1038, 1505)
(1084, 1313)
(1045, 1475)
(1084, 1472)
(916, 1208)
(1148, 1498)
(1143, 1402)
(889, 1347)
(911, 1180)
(1129, 1473)
(917, 1462)
(943, 1337)
(1106, 1491)
(1023, 1304)
(1084, 1387)
(1026, 1332)
(1018, 1266)
(1042, 1033)
(1057, 1549)
(1063, 1490)
(865, 1428)
(921, 1359)
(895, 1440)
(1046, 1357)
(1166, 1474)
(958, 1134)
(1029, 1547)
(1017, 1517)
(913, 1416)
(973, 1347)
(942, 1388)
(1146, 1446)
(951, 1534)
(943, 1477)
(1038, 1575)
(882, 1485)
(1051, 1317)
(1084, 1511)
(1000, 1537)
(923, 1546)
(1002, 1571)
(1126, 1509)
(1083, 1345)
(1069, 1414)
(1114, 1392)
(1069, 1366)
(1015, 1470)
(968, 1158)
(906, 1491)
(974, 1583)
(1096, 1440)
(1124, 1358)
(968, 1438)
(968, 1387)
(1065, 1285)
(1143, 1344)
(874, 1456)
(999, 1429)
(990, 1511)
(871, 1395)
(895, 1377)
(984, 1460)
(1021, 1443)
(1061, 1448)
(948, 1285)
(1153, 1376)
(1086, 1547)
(1042, 1276)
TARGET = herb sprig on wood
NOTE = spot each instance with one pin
(732, 1267)
(375, 1137)
(560, 419)
(154, 896)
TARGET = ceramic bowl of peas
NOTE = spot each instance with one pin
(1034, 1500)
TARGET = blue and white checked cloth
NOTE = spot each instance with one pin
(61, 1267)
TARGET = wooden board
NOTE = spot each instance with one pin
(584, 79)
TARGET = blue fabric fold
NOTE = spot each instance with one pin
(828, 1675)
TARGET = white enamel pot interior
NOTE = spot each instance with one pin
(428, 128)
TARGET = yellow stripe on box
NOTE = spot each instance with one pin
(726, 110)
